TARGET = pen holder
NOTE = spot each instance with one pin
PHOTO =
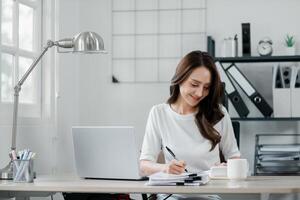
(23, 171)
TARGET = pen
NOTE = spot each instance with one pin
(172, 154)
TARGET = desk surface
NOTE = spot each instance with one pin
(257, 184)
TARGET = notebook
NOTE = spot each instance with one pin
(185, 179)
(106, 152)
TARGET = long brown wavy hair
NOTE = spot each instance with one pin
(209, 110)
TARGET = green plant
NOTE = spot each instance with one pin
(289, 40)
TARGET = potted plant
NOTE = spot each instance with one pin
(290, 44)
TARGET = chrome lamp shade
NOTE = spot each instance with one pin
(88, 42)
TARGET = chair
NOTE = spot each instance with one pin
(236, 131)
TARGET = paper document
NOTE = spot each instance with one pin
(191, 179)
(281, 148)
(284, 157)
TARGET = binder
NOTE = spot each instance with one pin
(250, 91)
(281, 93)
(232, 92)
(286, 74)
(295, 92)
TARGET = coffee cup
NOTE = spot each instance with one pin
(237, 168)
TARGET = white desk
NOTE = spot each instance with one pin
(252, 185)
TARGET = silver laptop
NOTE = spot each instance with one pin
(106, 152)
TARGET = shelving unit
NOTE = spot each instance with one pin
(255, 59)
(265, 119)
(261, 59)
(271, 158)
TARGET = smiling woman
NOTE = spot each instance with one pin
(192, 123)
(194, 89)
(195, 74)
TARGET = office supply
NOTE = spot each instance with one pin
(281, 94)
(13, 154)
(255, 60)
(184, 179)
(246, 39)
(280, 148)
(211, 46)
(279, 157)
(84, 42)
(224, 96)
(277, 74)
(297, 83)
(23, 171)
(23, 167)
(250, 91)
(232, 92)
(106, 152)
(295, 92)
(286, 76)
(173, 155)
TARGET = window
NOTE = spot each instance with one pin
(20, 44)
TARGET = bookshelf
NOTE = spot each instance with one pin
(263, 162)
(265, 118)
(261, 59)
(255, 59)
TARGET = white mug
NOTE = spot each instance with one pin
(237, 168)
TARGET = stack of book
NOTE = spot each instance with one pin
(190, 179)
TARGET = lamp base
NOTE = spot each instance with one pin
(6, 173)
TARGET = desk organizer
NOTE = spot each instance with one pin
(277, 158)
(23, 171)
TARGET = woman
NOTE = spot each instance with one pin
(193, 123)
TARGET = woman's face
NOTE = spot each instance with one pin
(196, 86)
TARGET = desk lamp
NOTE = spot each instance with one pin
(84, 42)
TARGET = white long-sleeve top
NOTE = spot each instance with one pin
(180, 133)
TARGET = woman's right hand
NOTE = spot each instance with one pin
(175, 167)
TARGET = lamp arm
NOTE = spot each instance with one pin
(17, 90)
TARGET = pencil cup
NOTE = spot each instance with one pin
(23, 171)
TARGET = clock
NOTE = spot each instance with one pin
(264, 47)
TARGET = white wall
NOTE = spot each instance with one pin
(87, 96)
(104, 103)
(273, 18)
(67, 89)
(101, 102)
